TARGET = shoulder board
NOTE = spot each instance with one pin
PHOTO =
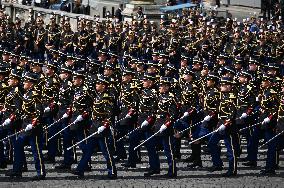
(4, 85)
(42, 76)
(249, 87)
(153, 90)
(171, 95)
(273, 91)
(35, 93)
(70, 83)
(17, 89)
(133, 85)
(85, 88)
(232, 96)
(55, 80)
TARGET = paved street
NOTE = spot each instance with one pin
(134, 177)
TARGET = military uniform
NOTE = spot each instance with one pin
(32, 131)
(101, 115)
(227, 130)
(12, 115)
(165, 117)
(269, 104)
(49, 98)
(64, 101)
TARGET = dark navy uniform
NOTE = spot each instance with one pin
(165, 117)
(226, 130)
(269, 104)
(101, 115)
(32, 111)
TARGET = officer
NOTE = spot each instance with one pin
(226, 129)
(209, 123)
(79, 117)
(36, 67)
(128, 100)
(165, 117)
(31, 133)
(246, 103)
(49, 98)
(101, 114)
(64, 101)
(269, 104)
(12, 115)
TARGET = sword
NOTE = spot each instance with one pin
(250, 126)
(12, 135)
(203, 136)
(128, 134)
(61, 130)
(271, 139)
(47, 127)
(190, 127)
(146, 140)
(82, 140)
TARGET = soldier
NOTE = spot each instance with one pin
(31, 133)
(165, 117)
(36, 67)
(269, 104)
(49, 98)
(128, 101)
(226, 129)
(39, 36)
(64, 101)
(80, 111)
(12, 115)
(101, 122)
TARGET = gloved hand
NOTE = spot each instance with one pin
(185, 114)
(78, 119)
(207, 118)
(130, 113)
(266, 121)
(29, 127)
(7, 122)
(163, 127)
(144, 124)
(243, 116)
(221, 128)
(65, 116)
(47, 109)
(101, 129)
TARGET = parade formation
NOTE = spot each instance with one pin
(148, 84)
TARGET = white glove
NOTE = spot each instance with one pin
(46, 110)
(185, 114)
(101, 129)
(128, 116)
(266, 120)
(29, 127)
(144, 124)
(163, 127)
(207, 118)
(222, 127)
(7, 122)
(79, 118)
(65, 116)
(244, 115)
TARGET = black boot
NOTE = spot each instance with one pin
(196, 150)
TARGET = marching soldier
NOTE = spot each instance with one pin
(49, 98)
(12, 116)
(64, 101)
(101, 122)
(166, 114)
(31, 131)
(128, 100)
(269, 104)
(226, 129)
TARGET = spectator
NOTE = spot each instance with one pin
(140, 14)
(78, 8)
(118, 13)
(65, 6)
